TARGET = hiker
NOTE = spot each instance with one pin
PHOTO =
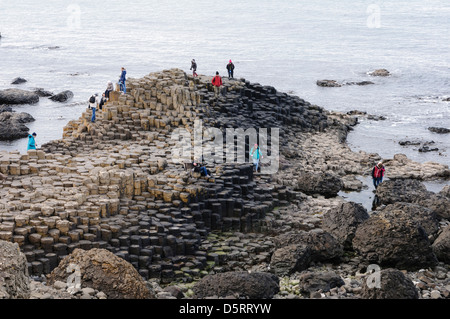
(122, 80)
(32, 142)
(103, 100)
(194, 68)
(230, 68)
(200, 169)
(93, 103)
(217, 82)
(109, 88)
(255, 152)
(377, 174)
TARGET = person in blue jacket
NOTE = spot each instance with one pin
(256, 154)
(122, 81)
(31, 142)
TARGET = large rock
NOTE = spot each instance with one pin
(43, 93)
(243, 284)
(319, 183)
(17, 96)
(62, 96)
(343, 221)
(391, 238)
(290, 259)
(413, 191)
(310, 282)
(14, 279)
(393, 284)
(418, 213)
(380, 72)
(12, 125)
(328, 83)
(18, 80)
(439, 130)
(322, 245)
(441, 246)
(103, 271)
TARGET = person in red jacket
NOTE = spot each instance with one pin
(217, 82)
(377, 174)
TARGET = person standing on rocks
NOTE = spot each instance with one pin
(194, 68)
(217, 82)
(122, 80)
(230, 68)
(93, 103)
(256, 154)
(32, 142)
(378, 174)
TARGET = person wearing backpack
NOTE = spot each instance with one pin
(256, 154)
(217, 82)
(93, 103)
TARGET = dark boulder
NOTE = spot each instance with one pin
(18, 80)
(5, 108)
(243, 284)
(290, 259)
(43, 93)
(391, 238)
(310, 282)
(326, 184)
(343, 221)
(392, 284)
(62, 96)
(328, 83)
(17, 96)
(12, 125)
(439, 130)
(441, 246)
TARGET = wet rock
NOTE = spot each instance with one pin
(310, 282)
(380, 72)
(62, 96)
(14, 280)
(103, 271)
(439, 130)
(18, 80)
(5, 108)
(328, 83)
(256, 285)
(326, 184)
(43, 93)
(17, 96)
(391, 238)
(12, 125)
(289, 259)
(343, 221)
(393, 284)
(407, 143)
(441, 246)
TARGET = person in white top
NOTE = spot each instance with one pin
(94, 101)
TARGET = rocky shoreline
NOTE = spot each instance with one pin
(110, 191)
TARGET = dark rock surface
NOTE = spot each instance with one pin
(439, 130)
(17, 96)
(12, 125)
(441, 246)
(328, 83)
(326, 184)
(393, 284)
(380, 72)
(310, 282)
(14, 280)
(18, 80)
(242, 284)
(62, 96)
(43, 93)
(290, 259)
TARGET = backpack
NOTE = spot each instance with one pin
(92, 99)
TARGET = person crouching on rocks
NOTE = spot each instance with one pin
(109, 89)
(200, 169)
(378, 174)
(31, 142)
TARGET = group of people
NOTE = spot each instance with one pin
(96, 101)
(217, 79)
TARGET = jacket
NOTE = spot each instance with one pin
(378, 172)
(230, 66)
(31, 143)
(256, 154)
(123, 76)
(217, 81)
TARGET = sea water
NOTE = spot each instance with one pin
(80, 45)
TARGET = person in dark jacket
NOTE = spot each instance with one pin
(378, 174)
(230, 68)
(217, 82)
(122, 81)
(199, 169)
(194, 68)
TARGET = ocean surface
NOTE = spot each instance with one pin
(80, 45)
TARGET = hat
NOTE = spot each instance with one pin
(380, 163)
(230, 61)
(34, 134)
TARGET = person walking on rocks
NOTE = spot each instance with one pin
(194, 68)
(378, 174)
(122, 80)
(256, 154)
(93, 103)
(217, 82)
(32, 142)
(230, 68)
